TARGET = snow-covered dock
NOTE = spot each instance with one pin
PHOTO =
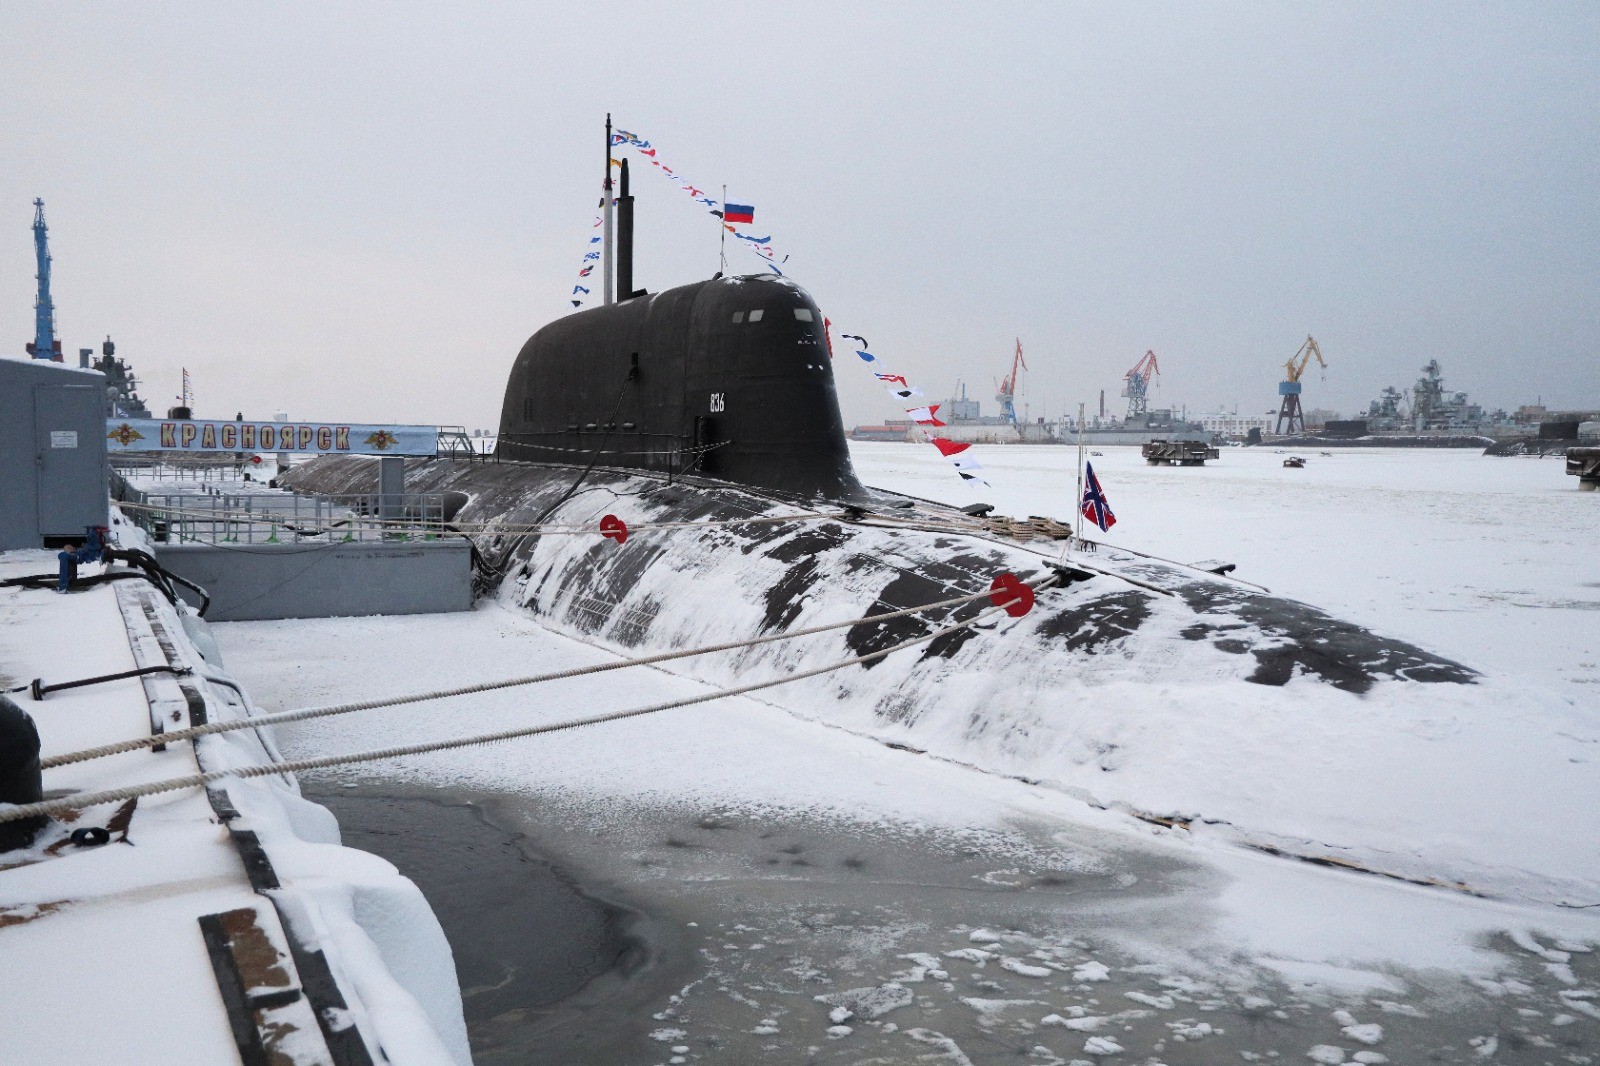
(216, 924)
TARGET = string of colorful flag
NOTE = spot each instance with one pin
(591, 254)
(925, 415)
(731, 216)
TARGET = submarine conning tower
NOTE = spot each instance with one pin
(728, 379)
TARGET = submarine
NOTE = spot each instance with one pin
(706, 418)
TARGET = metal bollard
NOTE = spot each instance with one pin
(20, 780)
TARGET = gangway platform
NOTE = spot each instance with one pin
(262, 552)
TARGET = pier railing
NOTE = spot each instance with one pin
(219, 515)
(202, 466)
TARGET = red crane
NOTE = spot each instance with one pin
(1008, 387)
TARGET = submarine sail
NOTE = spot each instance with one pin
(729, 379)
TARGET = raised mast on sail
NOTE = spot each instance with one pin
(606, 288)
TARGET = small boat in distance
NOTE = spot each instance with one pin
(1294, 462)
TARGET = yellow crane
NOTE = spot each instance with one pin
(1291, 418)
(1300, 360)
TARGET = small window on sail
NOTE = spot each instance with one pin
(755, 316)
(738, 316)
(804, 314)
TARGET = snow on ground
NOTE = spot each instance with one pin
(1479, 559)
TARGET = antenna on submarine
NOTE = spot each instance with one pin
(722, 247)
(610, 235)
(625, 289)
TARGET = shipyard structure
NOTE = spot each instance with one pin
(961, 418)
(964, 420)
(1426, 415)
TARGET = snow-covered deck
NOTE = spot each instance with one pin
(215, 925)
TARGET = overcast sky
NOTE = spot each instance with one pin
(360, 212)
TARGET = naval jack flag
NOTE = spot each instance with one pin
(1095, 508)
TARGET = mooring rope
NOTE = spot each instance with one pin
(152, 788)
(309, 713)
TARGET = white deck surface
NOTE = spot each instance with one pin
(104, 958)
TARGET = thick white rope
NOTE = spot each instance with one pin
(11, 813)
(307, 713)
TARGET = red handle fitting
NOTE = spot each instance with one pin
(1009, 591)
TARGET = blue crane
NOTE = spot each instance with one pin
(45, 345)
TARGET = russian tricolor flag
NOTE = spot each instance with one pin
(738, 213)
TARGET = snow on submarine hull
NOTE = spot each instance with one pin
(715, 403)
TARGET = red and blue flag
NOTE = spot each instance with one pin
(738, 213)
(1095, 508)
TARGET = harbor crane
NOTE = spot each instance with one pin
(1136, 385)
(1290, 414)
(1008, 388)
(45, 345)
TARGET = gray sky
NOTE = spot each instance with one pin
(362, 211)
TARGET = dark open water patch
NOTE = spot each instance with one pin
(525, 938)
(979, 947)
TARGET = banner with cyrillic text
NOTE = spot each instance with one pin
(209, 435)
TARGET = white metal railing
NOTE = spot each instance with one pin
(200, 467)
(273, 517)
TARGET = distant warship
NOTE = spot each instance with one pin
(122, 397)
